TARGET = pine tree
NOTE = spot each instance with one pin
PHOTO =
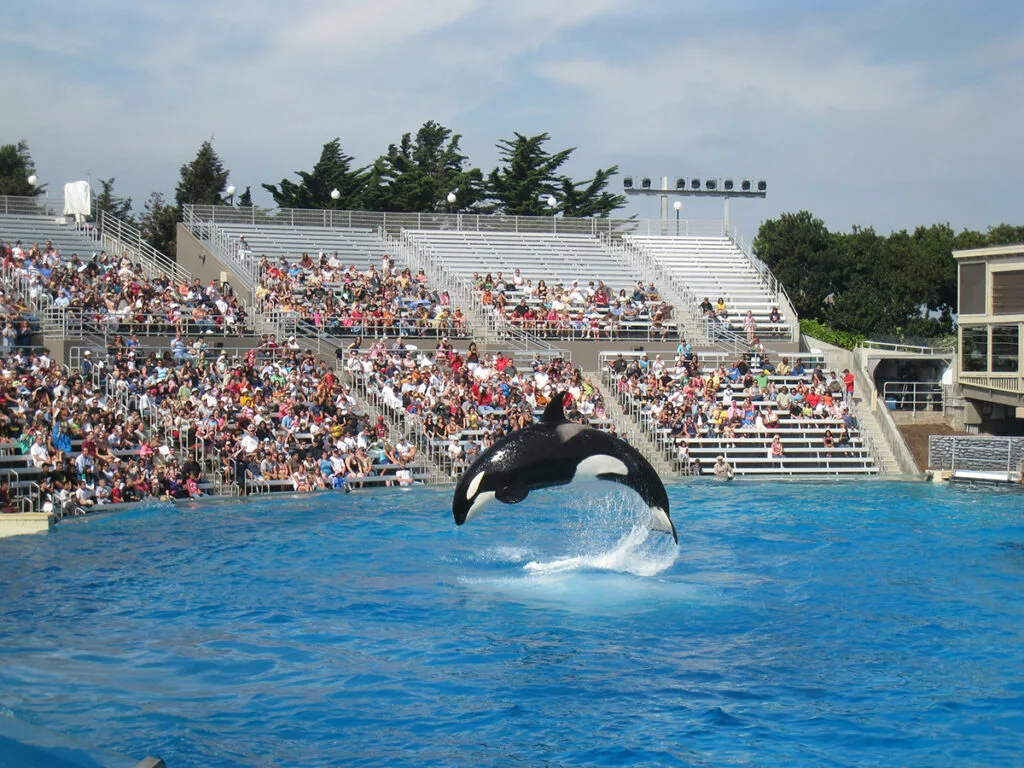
(107, 201)
(332, 171)
(416, 176)
(204, 180)
(159, 223)
(15, 167)
(527, 177)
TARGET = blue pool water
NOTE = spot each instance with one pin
(796, 624)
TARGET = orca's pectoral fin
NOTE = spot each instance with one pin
(512, 493)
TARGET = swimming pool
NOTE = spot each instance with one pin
(839, 624)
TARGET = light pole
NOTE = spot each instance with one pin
(678, 205)
(231, 194)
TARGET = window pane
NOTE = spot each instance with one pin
(1005, 348)
(972, 289)
(975, 348)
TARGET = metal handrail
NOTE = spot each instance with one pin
(115, 233)
(946, 349)
(770, 281)
(680, 296)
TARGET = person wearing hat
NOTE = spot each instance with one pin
(723, 469)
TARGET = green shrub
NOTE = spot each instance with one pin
(829, 335)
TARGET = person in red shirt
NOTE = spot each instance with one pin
(848, 383)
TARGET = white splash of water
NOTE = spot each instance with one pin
(640, 552)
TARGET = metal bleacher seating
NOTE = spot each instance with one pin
(715, 267)
(356, 246)
(748, 449)
(553, 258)
(58, 230)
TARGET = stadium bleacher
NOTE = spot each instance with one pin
(715, 267)
(553, 258)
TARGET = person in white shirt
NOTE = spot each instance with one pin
(39, 453)
(249, 442)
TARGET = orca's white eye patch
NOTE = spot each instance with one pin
(474, 485)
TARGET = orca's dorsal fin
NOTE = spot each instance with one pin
(554, 413)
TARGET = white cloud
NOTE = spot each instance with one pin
(132, 89)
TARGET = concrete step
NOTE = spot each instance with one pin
(629, 430)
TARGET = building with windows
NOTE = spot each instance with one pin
(991, 312)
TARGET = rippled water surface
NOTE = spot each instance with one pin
(799, 624)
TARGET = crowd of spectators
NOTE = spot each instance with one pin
(274, 414)
(575, 311)
(718, 317)
(83, 450)
(685, 401)
(462, 401)
(337, 300)
(113, 294)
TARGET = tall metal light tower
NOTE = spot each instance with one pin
(696, 187)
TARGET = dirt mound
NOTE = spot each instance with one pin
(917, 435)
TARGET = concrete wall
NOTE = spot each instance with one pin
(197, 259)
(994, 454)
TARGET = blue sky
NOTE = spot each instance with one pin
(884, 114)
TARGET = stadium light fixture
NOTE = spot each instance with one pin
(694, 186)
(335, 195)
(552, 202)
(33, 180)
(231, 194)
(451, 198)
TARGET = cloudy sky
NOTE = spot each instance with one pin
(886, 114)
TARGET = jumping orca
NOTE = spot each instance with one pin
(556, 452)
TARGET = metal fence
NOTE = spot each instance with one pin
(464, 222)
(31, 206)
(913, 396)
(976, 453)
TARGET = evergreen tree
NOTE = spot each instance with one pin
(15, 167)
(107, 201)
(204, 180)
(527, 176)
(245, 199)
(159, 223)
(417, 175)
(590, 198)
(332, 171)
